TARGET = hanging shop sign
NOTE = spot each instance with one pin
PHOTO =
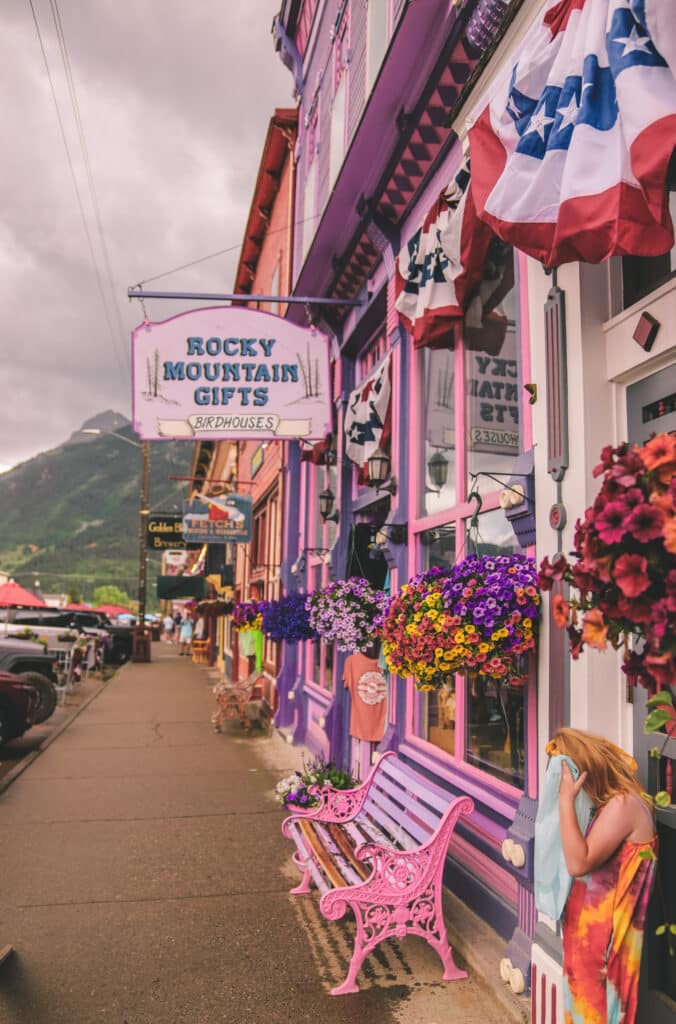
(165, 533)
(218, 520)
(229, 372)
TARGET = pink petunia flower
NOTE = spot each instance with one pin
(630, 573)
(611, 524)
(645, 523)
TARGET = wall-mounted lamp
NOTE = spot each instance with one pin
(379, 471)
(326, 509)
(438, 470)
(395, 533)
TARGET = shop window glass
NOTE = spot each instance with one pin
(438, 546)
(378, 32)
(642, 274)
(438, 381)
(328, 665)
(493, 378)
(495, 710)
(438, 717)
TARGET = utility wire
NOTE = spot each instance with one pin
(88, 171)
(212, 255)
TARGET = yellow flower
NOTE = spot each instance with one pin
(470, 629)
(484, 648)
(459, 637)
(527, 623)
(432, 614)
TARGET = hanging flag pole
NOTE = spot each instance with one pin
(137, 293)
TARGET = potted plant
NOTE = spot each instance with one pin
(347, 613)
(297, 791)
(623, 579)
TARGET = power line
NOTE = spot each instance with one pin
(90, 245)
(88, 168)
(213, 255)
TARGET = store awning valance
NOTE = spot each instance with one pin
(174, 588)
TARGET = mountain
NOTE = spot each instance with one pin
(70, 516)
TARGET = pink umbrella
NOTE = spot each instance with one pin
(13, 595)
(112, 610)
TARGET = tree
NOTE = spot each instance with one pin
(74, 595)
(111, 594)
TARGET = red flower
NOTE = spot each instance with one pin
(611, 524)
(606, 460)
(661, 667)
(634, 610)
(551, 571)
(646, 523)
(630, 573)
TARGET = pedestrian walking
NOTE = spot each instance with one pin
(168, 627)
(185, 636)
(199, 630)
(612, 866)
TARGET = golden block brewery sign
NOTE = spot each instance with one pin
(229, 373)
(165, 533)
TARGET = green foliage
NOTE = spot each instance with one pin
(71, 515)
(111, 594)
(74, 596)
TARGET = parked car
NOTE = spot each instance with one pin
(17, 704)
(117, 639)
(31, 661)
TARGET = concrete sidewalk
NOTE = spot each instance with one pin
(144, 880)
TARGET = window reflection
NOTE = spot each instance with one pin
(495, 728)
(439, 717)
(438, 547)
(493, 374)
(493, 535)
(439, 434)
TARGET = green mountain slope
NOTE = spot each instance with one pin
(70, 516)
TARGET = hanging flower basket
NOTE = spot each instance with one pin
(480, 617)
(247, 615)
(494, 604)
(347, 613)
(287, 619)
(624, 576)
(415, 630)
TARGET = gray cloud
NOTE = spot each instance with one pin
(175, 99)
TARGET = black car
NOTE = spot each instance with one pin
(17, 706)
(30, 661)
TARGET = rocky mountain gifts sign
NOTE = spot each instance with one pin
(229, 372)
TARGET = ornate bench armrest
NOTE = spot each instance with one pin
(338, 805)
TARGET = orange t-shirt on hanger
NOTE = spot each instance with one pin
(364, 678)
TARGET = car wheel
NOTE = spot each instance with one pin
(46, 695)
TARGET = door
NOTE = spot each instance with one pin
(651, 408)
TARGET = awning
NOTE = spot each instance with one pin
(173, 588)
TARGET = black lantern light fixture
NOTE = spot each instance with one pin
(326, 509)
(379, 471)
(438, 470)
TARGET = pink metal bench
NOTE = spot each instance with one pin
(401, 824)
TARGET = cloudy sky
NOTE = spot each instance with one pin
(174, 99)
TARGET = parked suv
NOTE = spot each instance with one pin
(117, 639)
(30, 660)
(17, 703)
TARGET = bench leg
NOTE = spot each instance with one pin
(304, 884)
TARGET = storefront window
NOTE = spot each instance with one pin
(493, 385)
(493, 535)
(438, 378)
(495, 728)
(439, 717)
(438, 546)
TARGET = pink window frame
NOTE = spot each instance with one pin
(459, 514)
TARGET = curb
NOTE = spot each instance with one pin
(27, 761)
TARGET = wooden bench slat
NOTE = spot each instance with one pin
(326, 863)
(425, 791)
(304, 847)
(405, 806)
(341, 840)
(342, 861)
(396, 822)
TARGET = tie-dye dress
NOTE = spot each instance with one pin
(603, 935)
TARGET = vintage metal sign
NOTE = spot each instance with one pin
(229, 372)
(217, 520)
(165, 533)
